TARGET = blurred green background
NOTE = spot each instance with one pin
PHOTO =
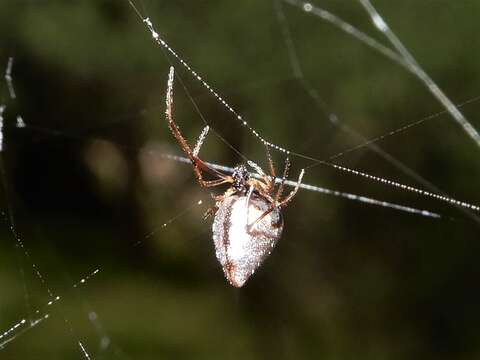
(89, 189)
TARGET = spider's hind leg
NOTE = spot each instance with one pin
(292, 193)
(284, 177)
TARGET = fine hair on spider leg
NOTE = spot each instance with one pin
(200, 140)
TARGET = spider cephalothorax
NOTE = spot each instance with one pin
(248, 219)
(240, 178)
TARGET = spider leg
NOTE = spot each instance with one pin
(198, 165)
(210, 183)
(268, 211)
(247, 203)
(274, 201)
(212, 210)
(218, 198)
(282, 183)
(200, 140)
(272, 169)
(221, 197)
(264, 183)
(284, 202)
(290, 196)
(257, 168)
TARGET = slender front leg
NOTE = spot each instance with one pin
(198, 165)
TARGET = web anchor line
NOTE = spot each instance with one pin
(394, 56)
(335, 120)
(396, 184)
(156, 37)
(41, 314)
(323, 190)
(418, 71)
(399, 55)
(9, 79)
(24, 325)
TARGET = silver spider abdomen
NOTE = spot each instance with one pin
(242, 241)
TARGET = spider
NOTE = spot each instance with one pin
(248, 220)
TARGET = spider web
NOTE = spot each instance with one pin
(110, 258)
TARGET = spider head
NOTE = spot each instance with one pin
(240, 178)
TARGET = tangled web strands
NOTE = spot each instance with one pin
(323, 190)
(156, 37)
(163, 44)
(24, 324)
(401, 56)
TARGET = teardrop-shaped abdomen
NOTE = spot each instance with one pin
(241, 242)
